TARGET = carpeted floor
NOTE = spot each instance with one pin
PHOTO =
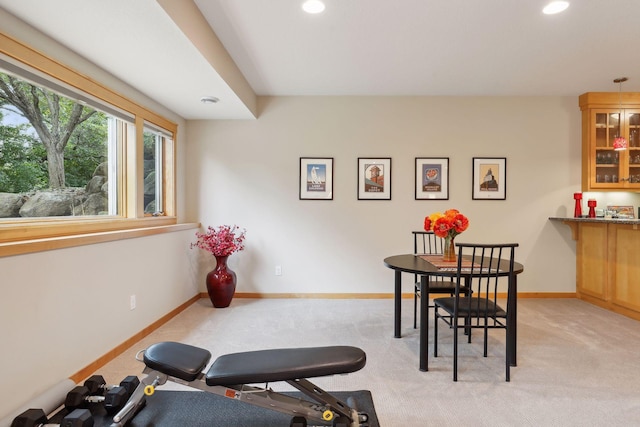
(578, 365)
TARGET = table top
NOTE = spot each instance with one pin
(411, 263)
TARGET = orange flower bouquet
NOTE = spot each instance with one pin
(447, 226)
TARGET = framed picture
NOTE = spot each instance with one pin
(374, 178)
(316, 178)
(432, 178)
(489, 178)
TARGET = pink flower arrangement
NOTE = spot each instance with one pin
(221, 241)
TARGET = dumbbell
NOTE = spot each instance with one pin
(80, 396)
(37, 418)
(97, 385)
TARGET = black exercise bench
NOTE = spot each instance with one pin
(230, 374)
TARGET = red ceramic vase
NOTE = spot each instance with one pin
(221, 283)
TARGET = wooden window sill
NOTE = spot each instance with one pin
(159, 226)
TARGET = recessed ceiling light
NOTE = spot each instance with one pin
(209, 100)
(313, 6)
(555, 7)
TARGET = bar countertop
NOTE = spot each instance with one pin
(630, 221)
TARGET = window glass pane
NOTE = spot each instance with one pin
(57, 156)
(153, 172)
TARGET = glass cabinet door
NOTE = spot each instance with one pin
(633, 173)
(608, 127)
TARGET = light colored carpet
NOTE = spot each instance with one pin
(578, 365)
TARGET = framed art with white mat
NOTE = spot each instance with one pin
(489, 178)
(316, 178)
(432, 178)
(374, 178)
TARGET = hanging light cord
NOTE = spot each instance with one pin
(620, 143)
(620, 81)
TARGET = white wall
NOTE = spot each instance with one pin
(246, 173)
(61, 310)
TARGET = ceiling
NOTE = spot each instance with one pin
(356, 47)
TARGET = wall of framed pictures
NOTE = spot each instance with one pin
(374, 178)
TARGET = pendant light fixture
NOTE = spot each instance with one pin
(620, 143)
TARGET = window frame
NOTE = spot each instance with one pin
(24, 235)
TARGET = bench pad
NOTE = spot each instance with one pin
(284, 364)
(176, 359)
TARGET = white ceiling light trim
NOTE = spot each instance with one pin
(555, 7)
(209, 100)
(313, 6)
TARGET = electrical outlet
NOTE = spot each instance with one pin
(132, 302)
(278, 270)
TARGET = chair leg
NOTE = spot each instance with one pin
(508, 357)
(455, 349)
(508, 368)
(486, 337)
(415, 309)
(435, 331)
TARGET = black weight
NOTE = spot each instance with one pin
(77, 397)
(115, 399)
(37, 417)
(78, 418)
(130, 383)
(96, 384)
(30, 418)
(80, 397)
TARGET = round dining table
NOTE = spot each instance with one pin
(417, 264)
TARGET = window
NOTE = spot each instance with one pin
(58, 157)
(76, 157)
(155, 143)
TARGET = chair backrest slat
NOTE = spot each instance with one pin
(492, 265)
(427, 243)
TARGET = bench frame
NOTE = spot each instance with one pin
(325, 409)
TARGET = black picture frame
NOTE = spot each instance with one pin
(432, 178)
(374, 178)
(489, 178)
(316, 178)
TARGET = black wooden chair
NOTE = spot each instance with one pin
(488, 278)
(427, 243)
